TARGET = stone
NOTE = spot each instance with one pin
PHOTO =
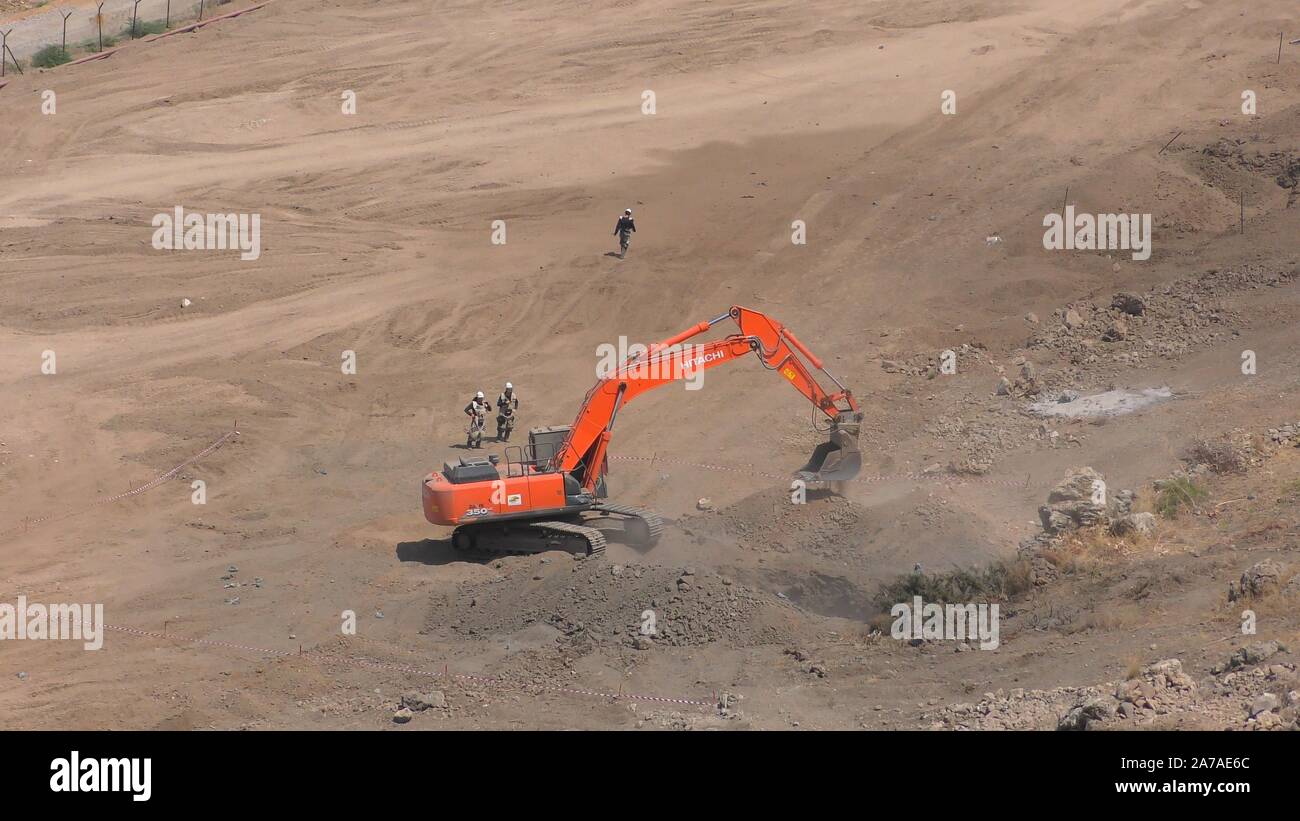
(419, 702)
(1117, 331)
(1123, 502)
(1253, 653)
(1263, 703)
(1169, 673)
(1093, 710)
(1074, 502)
(1267, 721)
(1260, 579)
(402, 716)
(1129, 304)
(1132, 690)
(1134, 523)
(1054, 521)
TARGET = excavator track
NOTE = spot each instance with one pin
(652, 522)
(595, 540)
(489, 539)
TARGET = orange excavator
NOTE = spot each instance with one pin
(553, 495)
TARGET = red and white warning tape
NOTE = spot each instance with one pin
(150, 485)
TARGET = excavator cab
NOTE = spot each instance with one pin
(838, 458)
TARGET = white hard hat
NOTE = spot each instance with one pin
(628, 212)
(478, 395)
(509, 387)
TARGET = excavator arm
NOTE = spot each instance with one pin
(777, 348)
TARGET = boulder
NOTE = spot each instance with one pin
(1117, 331)
(1089, 711)
(1259, 579)
(1078, 500)
(1169, 673)
(419, 702)
(1134, 523)
(1263, 703)
(1129, 304)
(1253, 653)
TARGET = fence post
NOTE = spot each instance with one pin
(135, 12)
(99, 18)
(201, 10)
(4, 47)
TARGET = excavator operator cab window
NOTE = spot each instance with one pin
(524, 460)
(539, 455)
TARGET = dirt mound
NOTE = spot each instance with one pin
(604, 604)
(1162, 323)
(769, 522)
(1227, 158)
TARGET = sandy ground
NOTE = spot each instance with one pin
(376, 239)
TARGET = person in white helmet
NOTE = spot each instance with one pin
(625, 229)
(477, 411)
(507, 404)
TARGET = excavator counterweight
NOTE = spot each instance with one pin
(553, 493)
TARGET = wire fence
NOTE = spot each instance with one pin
(70, 34)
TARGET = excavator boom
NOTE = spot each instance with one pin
(838, 459)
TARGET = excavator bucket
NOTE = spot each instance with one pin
(838, 458)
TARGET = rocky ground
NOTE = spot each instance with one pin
(1253, 696)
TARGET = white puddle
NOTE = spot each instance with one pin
(1109, 403)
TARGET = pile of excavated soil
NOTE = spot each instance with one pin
(1223, 163)
(610, 603)
(1162, 323)
(770, 522)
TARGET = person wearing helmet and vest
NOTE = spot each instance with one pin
(625, 228)
(507, 404)
(477, 411)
